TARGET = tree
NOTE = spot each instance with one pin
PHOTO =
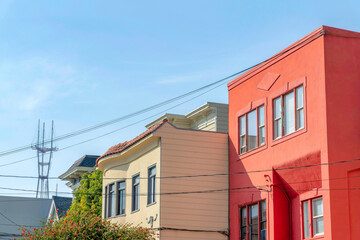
(79, 224)
(83, 219)
(88, 196)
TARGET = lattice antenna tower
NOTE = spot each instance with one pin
(41, 146)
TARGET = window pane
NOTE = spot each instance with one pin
(318, 226)
(243, 216)
(263, 220)
(261, 136)
(277, 129)
(136, 180)
(299, 97)
(135, 193)
(289, 115)
(317, 205)
(253, 222)
(251, 130)
(151, 185)
(106, 202)
(261, 116)
(299, 119)
(243, 223)
(263, 210)
(111, 200)
(306, 219)
(121, 198)
(242, 125)
(122, 185)
(261, 122)
(277, 108)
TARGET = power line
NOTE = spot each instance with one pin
(204, 175)
(259, 187)
(118, 129)
(104, 124)
(88, 129)
(2, 214)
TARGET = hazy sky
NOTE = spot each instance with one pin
(81, 63)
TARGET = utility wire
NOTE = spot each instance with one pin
(259, 187)
(85, 130)
(2, 214)
(203, 175)
(88, 129)
(116, 130)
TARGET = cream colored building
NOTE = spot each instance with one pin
(152, 180)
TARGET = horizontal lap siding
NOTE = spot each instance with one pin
(177, 235)
(185, 152)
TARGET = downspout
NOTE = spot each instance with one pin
(289, 203)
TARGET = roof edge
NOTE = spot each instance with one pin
(319, 32)
(280, 55)
(133, 141)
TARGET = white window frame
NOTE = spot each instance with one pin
(243, 149)
(297, 110)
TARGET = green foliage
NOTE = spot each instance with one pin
(82, 225)
(89, 195)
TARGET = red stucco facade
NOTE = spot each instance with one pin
(316, 161)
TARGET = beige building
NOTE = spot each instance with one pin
(152, 180)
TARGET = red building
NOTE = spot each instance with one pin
(294, 142)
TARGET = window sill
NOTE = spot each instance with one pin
(252, 152)
(150, 204)
(289, 136)
(116, 216)
(135, 211)
(316, 237)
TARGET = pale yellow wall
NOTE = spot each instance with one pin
(206, 122)
(190, 152)
(222, 117)
(125, 166)
(214, 118)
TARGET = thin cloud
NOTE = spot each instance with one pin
(33, 83)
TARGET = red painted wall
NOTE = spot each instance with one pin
(329, 68)
(342, 73)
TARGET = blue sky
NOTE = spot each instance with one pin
(81, 63)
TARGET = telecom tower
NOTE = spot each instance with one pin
(43, 163)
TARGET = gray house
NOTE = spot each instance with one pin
(85, 164)
(18, 212)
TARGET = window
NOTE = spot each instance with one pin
(253, 221)
(111, 204)
(252, 130)
(289, 112)
(106, 201)
(135, 193)
(121, 198)
(151, 185)
(313, 216)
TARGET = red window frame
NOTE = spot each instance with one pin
(259, 220)
(311, 218)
